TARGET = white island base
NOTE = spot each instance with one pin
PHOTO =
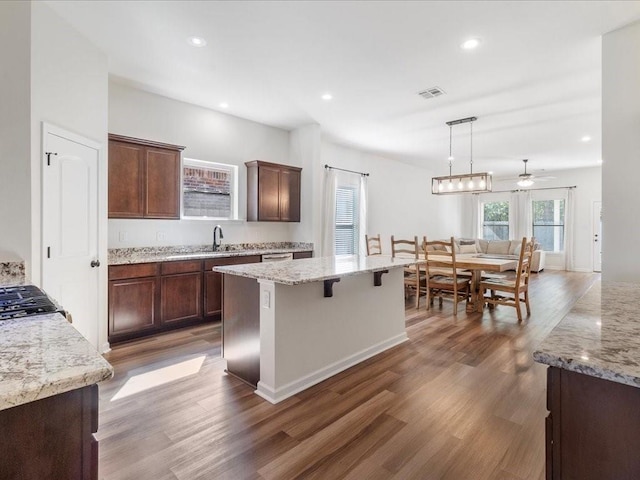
(290, 325)
(306, 338)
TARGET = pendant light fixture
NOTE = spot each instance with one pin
(466, 183)
(525, 179)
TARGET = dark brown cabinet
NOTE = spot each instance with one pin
(297, 255)
(144, 178)
(181, 291)
(51, 438)
(213, 282)
(133, 299)
(592, 431)
(273, 192)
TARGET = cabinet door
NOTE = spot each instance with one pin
(126, 180)
(181, 297)
(163, 183)
(132, 306)
(268, 194)
(297, 255)
(289, 195)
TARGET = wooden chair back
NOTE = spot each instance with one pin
(442, 276)
(405, 248)
(524, 262)
(374, 245)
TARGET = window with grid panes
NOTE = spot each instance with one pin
(548, 224)
(495, 220)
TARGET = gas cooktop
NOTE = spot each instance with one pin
(23, 301)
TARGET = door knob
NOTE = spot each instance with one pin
(95, 263)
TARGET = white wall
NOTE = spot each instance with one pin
(68, 89)
(15, 113)
(588, 182)
(400, 199)
(207, 135)
(621, 153)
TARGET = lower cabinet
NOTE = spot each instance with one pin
(180, 292)
(133, 300)
(51, 438)
(147, 298)
(213, 282)
(593, 428)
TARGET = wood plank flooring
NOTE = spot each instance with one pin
(462, 399)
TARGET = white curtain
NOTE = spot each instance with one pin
(475, 215)
(569, 228)
(362, 215)
(524, 212)
(520, 221)
(329, 213)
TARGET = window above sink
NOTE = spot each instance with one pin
(209, 190)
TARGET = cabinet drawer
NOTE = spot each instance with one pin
(209, 264)
(119, 272)
(297, 255)
(186, 266)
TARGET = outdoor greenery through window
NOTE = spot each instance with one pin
(346, 220)
(548, 224)
(208, 189)
(495, 220)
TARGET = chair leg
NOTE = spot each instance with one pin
(418, 290)
(518, 310)
(526, 301)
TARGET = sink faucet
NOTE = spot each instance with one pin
(218, 243)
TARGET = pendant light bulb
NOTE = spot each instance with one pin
(460, 186)
(471, 184)
(450, 185)
(440, 186)
(483, 184)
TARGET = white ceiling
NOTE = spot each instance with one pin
(534, 83)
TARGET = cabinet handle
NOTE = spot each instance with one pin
(95, 263)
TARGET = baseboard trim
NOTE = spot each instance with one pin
(105, 348)
(279, 394)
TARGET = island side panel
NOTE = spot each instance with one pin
(241, 327)
(313, 337)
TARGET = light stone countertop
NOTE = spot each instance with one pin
(307, 270)
(12, 273)
(600, 336)
(42, 356)
(124, 256)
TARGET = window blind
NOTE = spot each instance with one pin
(346, 220)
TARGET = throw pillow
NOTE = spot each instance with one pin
(516, 252)
(471, 248)
(500, 247)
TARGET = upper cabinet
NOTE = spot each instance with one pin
(273, 192)
(144, 178)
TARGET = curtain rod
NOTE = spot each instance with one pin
(528, 189)
(345, 170)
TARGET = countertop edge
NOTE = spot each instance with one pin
(154, 258)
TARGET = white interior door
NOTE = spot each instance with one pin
(70, 227)
(597, 236)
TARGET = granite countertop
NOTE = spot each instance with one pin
(44, 355)
(307, 270)
(600, 336)
(12, 273)
(123, 256)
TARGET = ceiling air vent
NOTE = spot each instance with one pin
(431, 93)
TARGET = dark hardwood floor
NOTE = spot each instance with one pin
(462, 399)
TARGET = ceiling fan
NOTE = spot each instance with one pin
(526, 179)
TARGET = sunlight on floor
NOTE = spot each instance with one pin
(155, 378)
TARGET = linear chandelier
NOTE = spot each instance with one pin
(465, 183)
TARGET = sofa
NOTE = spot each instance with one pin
(501, 249)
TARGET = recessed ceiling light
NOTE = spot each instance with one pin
(470, 44)
(586, 138)
(197, 41)
(327, 97)
(490, 173)
(224, 105)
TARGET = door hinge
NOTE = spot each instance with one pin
(48, 154)
(48, 252)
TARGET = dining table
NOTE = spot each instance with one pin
(476, 264)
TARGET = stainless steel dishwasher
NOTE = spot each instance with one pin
(277, 257)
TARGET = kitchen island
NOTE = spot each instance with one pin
(290, 325)
(48, 399)
(593, 387)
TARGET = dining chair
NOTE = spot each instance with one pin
(413, 276)
(374, 245)
(516, 290)
(443, 277)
